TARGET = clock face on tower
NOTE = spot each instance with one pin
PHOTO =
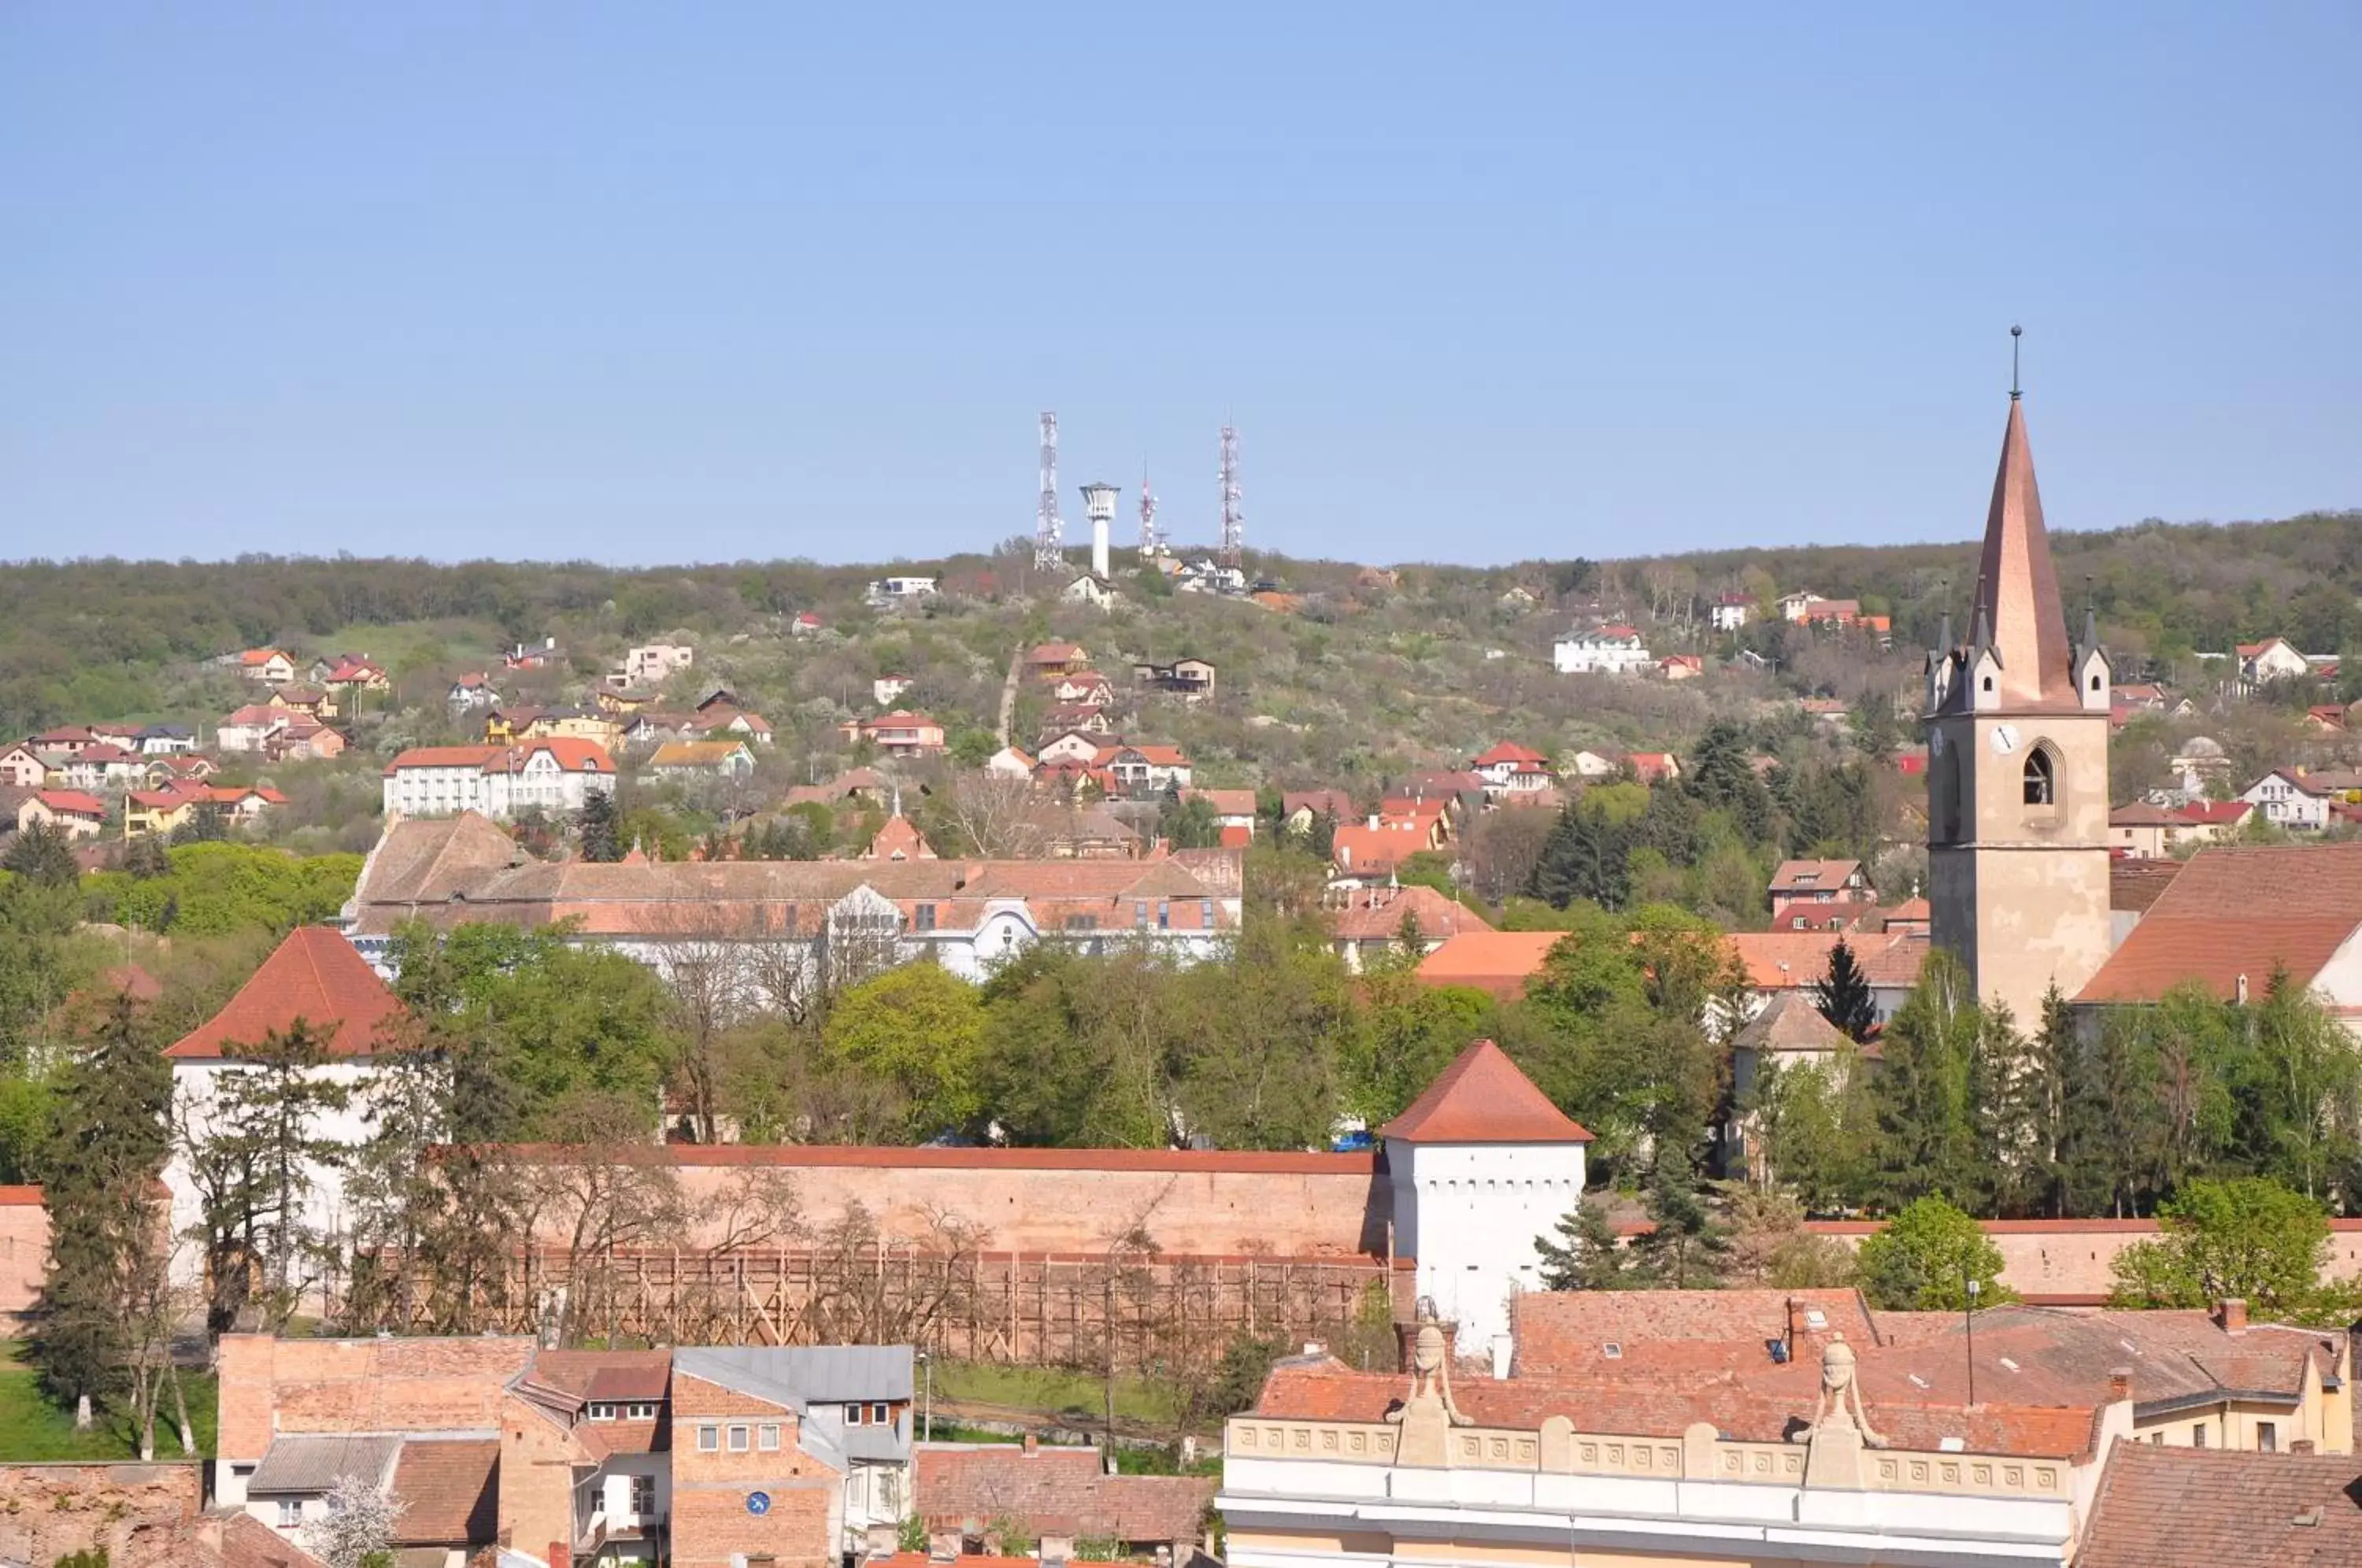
(2004, 739)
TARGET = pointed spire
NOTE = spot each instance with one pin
(2017, 588)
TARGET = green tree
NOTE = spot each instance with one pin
(1926, 1125)
(44, 855)
(2247, 1238)
(1685, 1245)
(1584, 1256)
(206, 822)
(105, 1255)
(920, 1029)
(1843, 994)
(1189, 824)
(600, 826)
(1925, 1258)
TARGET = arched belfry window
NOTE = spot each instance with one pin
(2041, 777)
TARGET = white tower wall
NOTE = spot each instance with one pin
(1470, 1214)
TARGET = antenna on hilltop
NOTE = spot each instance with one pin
(1148, 540)
(1048, 541)
(2015, 392)
(1234, 523)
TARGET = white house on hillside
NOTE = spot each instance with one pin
(1607, 650)
(555, 775)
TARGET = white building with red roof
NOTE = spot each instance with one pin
(1604, 650)
(1480, 1165)
(555, 774)
(314, 979)
(1512, 769)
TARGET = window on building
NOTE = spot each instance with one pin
(1165, 914)
(644, 1495)
(880, 1415)
(709, 1439)
(291, 1512)
(602, 1412)
(2267, 1437)
(2198, 1435)
(852, 1415)
(926, 917)
(1205, 914)
(642, 1412)
(767, 1436)
(2041, 785)
(1139, 915)
(737, 1439)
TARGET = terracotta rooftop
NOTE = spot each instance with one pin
(1561, 1332)
(2134, 884)
(2018, 586)
(1790, 1023)
(313, 975)
(1376, 914)
(1055, 1491)
(1498, 962)
(446, 1485)
(2189, 1507)
(1814, 876)
(2238, 910)
(1482, 1098)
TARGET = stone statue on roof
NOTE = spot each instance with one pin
(1839, 1407)
(1430, 1404)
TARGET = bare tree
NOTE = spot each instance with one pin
(607, 1190)
(993, 815)
(710, 981)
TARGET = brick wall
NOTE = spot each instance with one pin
(711, 1519)
(537, 1478)
(1075, 1201)
(359, 1385)
(142, 1514)
(24, 1249)
(2072, 1260)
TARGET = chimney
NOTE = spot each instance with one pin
(2231, 1314)
(2300, 1445)
(879, 1542)
(562, 1556)
(1373, 821)
(2120, 1384)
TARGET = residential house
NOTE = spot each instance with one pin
(1143, 769)
(302, 739)
(1779, 962)
(1078, 746)
(22, 767)
(66, 740)
(1189, 678)
(1497, 963)
(732, 724)
(1010, 762)
(1593, 765)
(702, 759)
(1682, 666)
(887, 690)
(1089, 689)
(1731, 612)
(2141, 829)
(2209, 822)
(2325, 718)
(103, 766)
(1509, 768)
(1300, 808)
(968, 915)
(624, 700)
(888, 591)
(1788, 1033)
(2183, 1507)
(1235, 813)
(164, 740)
(602, 730)
(2287, 799)
(1080, 718)
(1605, 650)
(471, 693)
(653, 665)
(2274, 658)
(555, 776)
(1807, 609)
(1091, 589)
(897, 733)
(269, 666)
(163, 769)
(1054, 661)
(351, 674)
(1808, 894)
(1369, 922)
(1654, 766)
(245, 729)
(77, 814)
(975, 1497)
(172, 807)
(504, 722)
(805, 624)
(1376, 846)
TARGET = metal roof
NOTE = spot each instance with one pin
(798, 1375)
(314, 1463)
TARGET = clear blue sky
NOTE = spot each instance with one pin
(656, 283)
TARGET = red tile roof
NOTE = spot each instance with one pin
(1055, 1491)
(2239, 912)
(1482, 1098)
(1498, 962)
(1376, 914)
(446, 1488)
(1511, 752)
(315, 976)
(1565, 1332)
(74, 802)
(2189, 1507)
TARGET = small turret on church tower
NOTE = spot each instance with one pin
(2017, 766)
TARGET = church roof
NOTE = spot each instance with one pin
(1482, 1098)
(2017, 588)
(2239, 911)
(315, 975)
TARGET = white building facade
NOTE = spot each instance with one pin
(1610, 650)
(500, 782)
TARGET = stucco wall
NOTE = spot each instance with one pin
(2071, 1258)
(24, 1249)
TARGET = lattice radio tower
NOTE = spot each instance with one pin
(1148, 539)
(1049, 553)
(1234, 523)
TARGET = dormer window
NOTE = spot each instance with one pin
(2041, 782)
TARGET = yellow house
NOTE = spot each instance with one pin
(148, 812)
(575, 724)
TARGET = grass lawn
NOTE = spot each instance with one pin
(1076, 1395)
(33, 1429)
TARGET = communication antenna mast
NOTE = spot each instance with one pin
(1234, 523)
(1048, 532)
(1148, 539)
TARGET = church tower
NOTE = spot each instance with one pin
(2017, 766)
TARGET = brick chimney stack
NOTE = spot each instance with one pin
(562, 1556)
(2120, 1384)
(2231, 1314)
